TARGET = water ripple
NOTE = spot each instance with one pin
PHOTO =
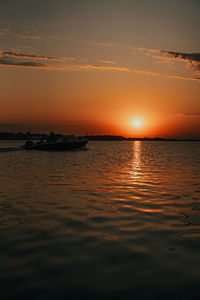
(121, 220)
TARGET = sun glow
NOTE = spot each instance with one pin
(137, 122)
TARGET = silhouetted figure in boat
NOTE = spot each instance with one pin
(51, 134)
(52, 137)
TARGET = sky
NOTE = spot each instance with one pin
(123, 67)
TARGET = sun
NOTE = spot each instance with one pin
(137, 122)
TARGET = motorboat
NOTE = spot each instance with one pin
(57, 142)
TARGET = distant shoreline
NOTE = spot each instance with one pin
(111, 138)
(121, 138)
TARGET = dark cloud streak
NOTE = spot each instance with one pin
(193, 59)
(7, 62)
(23, 55)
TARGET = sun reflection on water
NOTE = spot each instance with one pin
(136, 161)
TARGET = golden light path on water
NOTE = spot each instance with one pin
(136, 162)
(138, 176)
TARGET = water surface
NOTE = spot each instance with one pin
(121, 220)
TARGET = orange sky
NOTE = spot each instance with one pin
(96, 66)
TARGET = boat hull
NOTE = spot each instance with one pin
(63, 146)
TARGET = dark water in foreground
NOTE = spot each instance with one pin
(121, 221)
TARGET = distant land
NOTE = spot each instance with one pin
(37, 136)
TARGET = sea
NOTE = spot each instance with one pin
(120, 220)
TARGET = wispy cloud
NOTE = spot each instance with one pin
(40, 37)
(145, 72)
(145, 50)
(16, 58)
(192, 59)
(101, 67)
(77, 66)
(82, 67)
(101, 44)
(112, 62)
(5, 31)
(9, 32)
(17, 54)
(189, 115)
(29, 36)
(183, 77)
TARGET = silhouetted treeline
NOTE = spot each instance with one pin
(121, 138)
(105, 138)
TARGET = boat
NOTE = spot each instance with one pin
(57, 142)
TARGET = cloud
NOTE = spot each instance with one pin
(30, 37)
(184, 77)
(14, 63)
(146, 50)
(40, 37)
(101, 44)
(5, 31)
(189, 115)
(192, 114)
(18, 54)
(67, 59)
(77, 67)
(16, 58)
(8, 31)
(108, 62)
(102, 67)
(193, 59)
(80, 67)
